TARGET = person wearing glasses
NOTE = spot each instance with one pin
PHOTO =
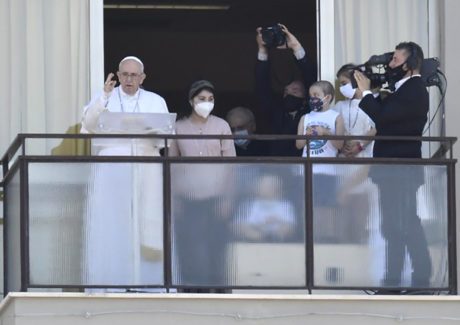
(123, 221)
(128, 97)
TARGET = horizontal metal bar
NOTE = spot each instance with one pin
(380, 288)
(221, 136)
(240, 159)
(167, 6)
(237, 287)
(14, 146)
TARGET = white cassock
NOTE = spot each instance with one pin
(124, 223)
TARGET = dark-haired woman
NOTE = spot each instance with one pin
(199, 120)
(201, 196)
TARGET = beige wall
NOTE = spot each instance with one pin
(139, 309)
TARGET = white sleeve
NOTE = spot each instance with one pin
(366, 92)
(100, 96)
(262, 56)
(300, 54)
(91, 114)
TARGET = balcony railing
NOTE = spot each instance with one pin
(87, 221)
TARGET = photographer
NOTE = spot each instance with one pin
(402, 113)
(284, 114)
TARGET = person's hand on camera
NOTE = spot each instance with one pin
(291, 41)
(363, 82)
(260, 42)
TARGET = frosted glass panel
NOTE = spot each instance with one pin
(238, 224)
(96, 224)
(12, 234)
(380, 226)
(232, 224)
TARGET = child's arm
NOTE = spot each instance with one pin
(339, 130)
(352, 148)
(300, 143)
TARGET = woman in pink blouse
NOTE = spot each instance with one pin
(200, 121)
(201, 195)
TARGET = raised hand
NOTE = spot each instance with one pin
(109, 83)
(291, 41)
(363, 82)
(260, 42)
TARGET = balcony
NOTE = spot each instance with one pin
(85, 222)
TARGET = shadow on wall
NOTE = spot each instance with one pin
(73, 147)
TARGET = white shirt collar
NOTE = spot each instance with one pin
(127, 96)
(403, 80)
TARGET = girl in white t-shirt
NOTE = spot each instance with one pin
(319, 122)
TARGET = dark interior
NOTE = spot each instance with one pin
(179, 46)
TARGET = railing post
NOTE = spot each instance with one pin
(452, 228)
(24, 221)
(167, 244)
(309, 223)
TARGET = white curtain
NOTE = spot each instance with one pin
(367, 27)
(44, 60)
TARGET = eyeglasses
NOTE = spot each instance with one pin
(126, 75)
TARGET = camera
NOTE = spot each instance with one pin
(429, 72)
(379, 62)
(273, 36)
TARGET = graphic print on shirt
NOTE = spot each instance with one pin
(317, 146)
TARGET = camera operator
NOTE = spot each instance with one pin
(284, 114)
(402, 113)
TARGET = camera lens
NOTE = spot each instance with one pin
(268, 36)
(273, 36)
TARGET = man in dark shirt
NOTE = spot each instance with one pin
(403, 113)
(284, 114)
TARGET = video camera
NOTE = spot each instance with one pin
(273, 36)
(382, 78)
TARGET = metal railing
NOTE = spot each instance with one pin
(53, 204)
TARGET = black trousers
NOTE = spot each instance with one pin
(200, 237)
(401, 226)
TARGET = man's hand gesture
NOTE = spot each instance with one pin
(109, 84)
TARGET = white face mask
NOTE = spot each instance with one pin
(203, 109)
(348, 91)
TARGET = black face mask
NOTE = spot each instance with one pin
(292, 103)
(396, 74)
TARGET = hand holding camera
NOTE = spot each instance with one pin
(277, 36)
(362, 81)
(260, 43)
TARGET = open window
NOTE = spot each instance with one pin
(181, 41)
